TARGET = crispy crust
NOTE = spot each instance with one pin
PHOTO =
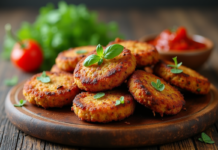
(189, 79)
(56, 69)
(169, 101)
(144, 53)
(57, 93)
(103, 110)
(111, 73)
(67, 60)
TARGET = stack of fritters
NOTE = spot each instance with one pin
(107, 78)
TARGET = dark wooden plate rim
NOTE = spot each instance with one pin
(119, 136)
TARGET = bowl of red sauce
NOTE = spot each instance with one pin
(193, 51)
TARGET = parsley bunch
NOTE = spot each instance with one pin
(176, 66)
(109, 53)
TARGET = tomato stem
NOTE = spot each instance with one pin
(14, 37)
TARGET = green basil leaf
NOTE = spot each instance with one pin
(154, 85)
(161, 87)
(117, 102)
(91, 60)
(158, 82)
(112, 51)
(173, 66)
(11, 82)
(21, 103)
(99, 95)
(81, 51)
(18, 105)
(122, 99)
(44, 79)
(100, 61)
(176, 71)
(99, 50)
(205, 137)
(179, 64)
(200, 139)
(175, 60)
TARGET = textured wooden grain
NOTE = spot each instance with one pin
(184, 145)
(133, 23)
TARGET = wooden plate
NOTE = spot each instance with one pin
(60, 125)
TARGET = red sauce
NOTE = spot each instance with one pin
(175, 40)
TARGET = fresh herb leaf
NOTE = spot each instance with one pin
(117, 102)
(120, 101)
(99, 95)
(158, 86)
(112, 51)
(91, 60)
(44, 78)
(100, 61)
(175, 69)
(205, 138)
(99, 50)
(11, 82)
(81, 51)
(21, 103)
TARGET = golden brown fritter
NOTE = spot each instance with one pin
(144, 53)
(169, 101)
(60, 91)
(189, 79)
(103, 110)
(67, 60)
(56, 69)
(111, 73)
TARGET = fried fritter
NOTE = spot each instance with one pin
(60, 91)
(144, 53)
(67, 60)
(169, 101)
(189, 79)
(56, 69)
(103, 110)
(111, 73)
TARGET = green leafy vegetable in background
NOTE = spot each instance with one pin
(81, 51)
(59, 29)
(21, 103)
(205, 138)
(11, 82)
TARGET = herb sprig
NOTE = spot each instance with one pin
(120, 101)
(205, 138)
(21, 103)
(11, 82)
(44, 78)
(176, 66)
(158, 86)
(99, 95)
(109, 53)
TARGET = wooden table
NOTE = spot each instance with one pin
(133, 23)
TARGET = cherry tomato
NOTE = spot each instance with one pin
(27, 58)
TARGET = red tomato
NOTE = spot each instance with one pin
(28, 58)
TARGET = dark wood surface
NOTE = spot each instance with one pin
(134, 23)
